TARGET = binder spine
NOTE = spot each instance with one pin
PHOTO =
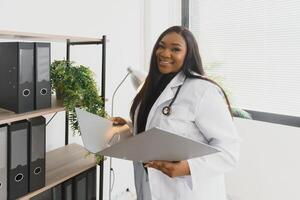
(42, 75)
(91, 184)
(9, 66)
(36, 150)
(26, 80)
(80, 187)
(67, 190)
(16, 71)
(17, 159)
(3, 161)
(57, 192)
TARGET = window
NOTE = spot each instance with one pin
(255, 46)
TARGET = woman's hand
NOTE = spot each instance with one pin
(118, 121)
(118, 132)
(171, 169)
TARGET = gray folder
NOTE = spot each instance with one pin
(154, 144)
(3, 161)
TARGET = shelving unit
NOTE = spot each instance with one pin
(62, 164)
(68, 161)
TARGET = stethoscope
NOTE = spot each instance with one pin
(167, 109)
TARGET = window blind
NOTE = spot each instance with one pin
(254, 46)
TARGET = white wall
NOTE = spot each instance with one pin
(269, 162)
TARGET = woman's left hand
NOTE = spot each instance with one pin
(171, 169)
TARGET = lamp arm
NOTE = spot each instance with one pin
(112, 114)
(113, 96)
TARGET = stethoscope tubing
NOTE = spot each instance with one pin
(167, 109)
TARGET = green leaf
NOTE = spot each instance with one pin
(78, 88)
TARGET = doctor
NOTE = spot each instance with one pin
(178, 97)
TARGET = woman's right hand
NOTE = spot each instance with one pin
(119, 131)
(118, 121)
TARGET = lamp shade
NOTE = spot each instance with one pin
(137, 77)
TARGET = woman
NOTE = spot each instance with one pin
(177, 97)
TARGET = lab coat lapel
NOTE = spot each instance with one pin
(135, 119)
(166, 95)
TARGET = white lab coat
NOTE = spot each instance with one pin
(199, 113)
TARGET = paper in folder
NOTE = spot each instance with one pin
(153, 144)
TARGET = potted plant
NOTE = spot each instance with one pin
(75, 86)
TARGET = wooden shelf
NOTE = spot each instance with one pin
(7, 116)
(44, 37)
(62, 164)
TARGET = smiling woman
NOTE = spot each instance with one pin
(178, 97)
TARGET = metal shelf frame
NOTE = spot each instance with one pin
(103, 75)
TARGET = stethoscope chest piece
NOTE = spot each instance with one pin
(166, 110)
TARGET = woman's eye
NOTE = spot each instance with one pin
(175, 49)
(160, 46)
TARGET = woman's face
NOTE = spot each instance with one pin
(170, 53)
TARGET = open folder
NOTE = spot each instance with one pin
(153, 144)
